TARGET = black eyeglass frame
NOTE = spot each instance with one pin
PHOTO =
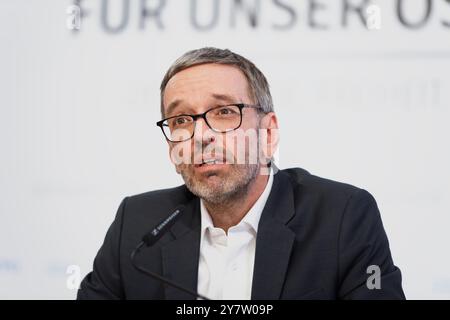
(241, 106)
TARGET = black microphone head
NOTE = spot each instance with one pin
(156, 233)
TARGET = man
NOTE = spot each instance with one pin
(247, 230)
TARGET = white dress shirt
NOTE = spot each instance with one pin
(225, 269)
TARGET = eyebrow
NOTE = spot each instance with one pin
(172, 106)
(217, 96)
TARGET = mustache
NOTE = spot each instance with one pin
(217, 153)
(235, 149)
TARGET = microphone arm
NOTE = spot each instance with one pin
(150, 239)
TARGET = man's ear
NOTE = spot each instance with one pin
(269, 123)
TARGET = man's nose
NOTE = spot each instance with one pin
(203, 135)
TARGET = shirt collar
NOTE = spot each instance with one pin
(251, 218)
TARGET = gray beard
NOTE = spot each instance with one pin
(230, 189)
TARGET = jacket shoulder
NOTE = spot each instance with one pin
(152, 206)
(161, 197)
(318, 185)
(328, 200)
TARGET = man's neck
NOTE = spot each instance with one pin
(228, 214)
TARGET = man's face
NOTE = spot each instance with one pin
(194, 91)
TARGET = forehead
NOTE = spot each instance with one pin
(198, 85)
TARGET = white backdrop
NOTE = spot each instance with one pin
(78, 112)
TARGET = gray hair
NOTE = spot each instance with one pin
(258, 85)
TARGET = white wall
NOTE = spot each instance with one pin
(78, 113)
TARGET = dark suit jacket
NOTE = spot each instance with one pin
(316, 238)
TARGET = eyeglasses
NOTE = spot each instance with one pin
(220, 119)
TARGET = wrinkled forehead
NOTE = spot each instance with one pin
(205, 84)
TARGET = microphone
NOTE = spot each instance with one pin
(149, 239)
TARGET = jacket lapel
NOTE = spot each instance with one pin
(274, 244)
(274, 241)
(180, 257)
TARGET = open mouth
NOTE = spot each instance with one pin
(208, 162)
